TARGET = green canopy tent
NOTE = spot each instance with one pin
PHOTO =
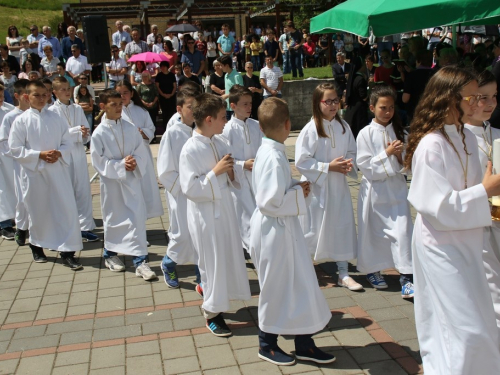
(387, 17)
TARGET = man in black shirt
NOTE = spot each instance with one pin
(295, 49)
(188, 75)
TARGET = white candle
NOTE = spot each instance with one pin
(496, 167)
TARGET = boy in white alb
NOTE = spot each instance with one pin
(288, 304)
(206, 170)
(245, 138)
(39, 140)
(119, 156)
(22, 218)
(79, 130)
(180, 246)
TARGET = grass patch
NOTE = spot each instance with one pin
(36, 4)
(323, 72)
(23, 19)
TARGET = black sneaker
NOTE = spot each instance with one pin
(38, 254)
(8, 233)
(218, 326)
(276, 356)
(71, 263)
(21, 237)
(315, 354)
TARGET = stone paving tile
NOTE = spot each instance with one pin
(27, 332)
(107, 357)
(118, 370)
(36, 365)
(177, 347)
(143, 348)
(180, 365)
(80, 369)
(138, 365)
(384, 367)
(76, 337)
(73, 358)
(8, 366)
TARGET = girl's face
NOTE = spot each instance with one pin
(487, 103)
(140, 65)
(28, 66)
(83, 91)
(329, 104)
(470, 89)
(383, 110)
(125, 93)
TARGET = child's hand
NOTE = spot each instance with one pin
(340, 165)
(306, 188)
(394, 148)
(85, 131)
(144, 136)
(130, 163)
(50, 156)
(249, 164)
(224, 165)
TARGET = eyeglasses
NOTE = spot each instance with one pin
(33, 29)
(472, 99)
(329, 102)
(12, 28)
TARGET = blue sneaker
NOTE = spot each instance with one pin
(88, 236)
(171, 278)
(276, 356)
(376, 280)
(407, 290)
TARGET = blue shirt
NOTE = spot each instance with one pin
(193, 59)
(53, 42)
(66, 46)
(119, 37)
(231, 79)
(226, 43)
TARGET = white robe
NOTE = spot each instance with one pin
(290, 301)
(491, 252)
(173, 119)
(142, 120)
(19, 175)
(384, 217)
(454, 315)
(212, 223)
(122, 202)
(74, 117)
(7, 189)
(49, 196)
(180, 245)
(329, 226)
(244, 139)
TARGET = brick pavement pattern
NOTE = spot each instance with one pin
(57, 321)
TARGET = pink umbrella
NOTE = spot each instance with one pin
(148, 57)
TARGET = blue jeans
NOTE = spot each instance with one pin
(296, 62)
(6, 224)
(89, 117)
(138, 260)
(256, 62)
(342, 268)
(168, 264)
(286, 63)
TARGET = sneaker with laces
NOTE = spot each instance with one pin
(145, 272)
(8, 233)
(218, 326)
(114, 264)
(170, 278)
(199, 290)
(407, 290)
(71, 262)
(88, 236)
(376, 280)
(21, 237)
(349, 283)
(276, 356)
(38, 254)
(315, 354)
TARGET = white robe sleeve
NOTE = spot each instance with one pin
(197, 187)
(373, 167)
(274, 199)
(29, 159)
(352, 151)
(66, 145)
(305, 148)
(4, 137)
(239, 165)
(82, 121)
(148, 127)
(141, 156)
(168, 173)
(109, 168)
(435, 199)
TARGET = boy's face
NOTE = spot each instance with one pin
(219, 121)
(243, 109)
(63, 92)
(187, 70)
(26, 45)
(270, 37)
(61, 71)
(48, 86)
(38, 98)
(33, 77)
(225, 30)
(186, 111)
(178, 71)
(113, 108)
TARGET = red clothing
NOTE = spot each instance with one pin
(171, 58)
(309, 49)
(384, 74)
(202, 47)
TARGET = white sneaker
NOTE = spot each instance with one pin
(114, 264)
(349, 283)
(145, 272)
(148, 244)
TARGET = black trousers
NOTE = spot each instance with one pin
(269, 341)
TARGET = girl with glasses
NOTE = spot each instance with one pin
(325, 154)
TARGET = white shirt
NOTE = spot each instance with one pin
(272, 77)
(117, 64)
(77, 65)
(175, 42)
(119, 37)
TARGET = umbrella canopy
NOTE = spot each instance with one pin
(148, 57)
(182, 28)
(387, 17)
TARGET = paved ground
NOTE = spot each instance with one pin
(56, 321)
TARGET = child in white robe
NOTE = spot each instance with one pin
(289, 304)
(190, 85)
(485, 135)
(79, 129)
(180, 248)
(206, 171)
(7, 190)
(119, 156)
(245, 138)
(39, 140)
(135, 113)
(384, 218)
(454, 316)
(21, 218)
(325, 154)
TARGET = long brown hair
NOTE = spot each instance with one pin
(441, 95)
(136, 99)
(318, 93)
(383, 90)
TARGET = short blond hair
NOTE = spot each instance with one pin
(206, 105)
(273, 113)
